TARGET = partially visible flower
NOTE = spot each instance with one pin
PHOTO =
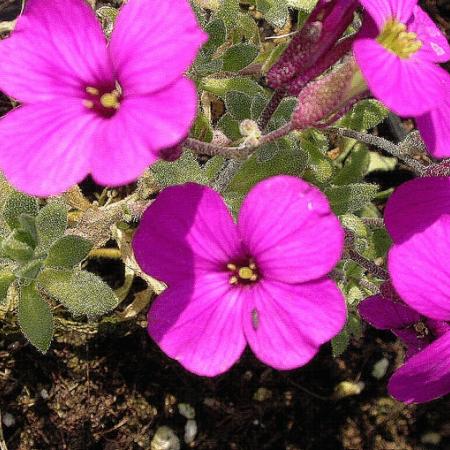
(315, 47)
(417, 217)
(89, 107)
(262, 281)
(398, 49)
(434, 126)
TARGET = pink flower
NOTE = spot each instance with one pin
(262, 281)
(434, 126)
(397, 50)
(417, 217)
(425, 374)
(89, 106)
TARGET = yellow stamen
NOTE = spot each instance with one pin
(88, 104)
(231, 267)
(246, 273)
(395, 38)
(92, 90)
(110, 100)
(233, 280)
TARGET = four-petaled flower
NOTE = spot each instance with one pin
(92, 107)
(417, 217)
(398, 49)
(262, 281)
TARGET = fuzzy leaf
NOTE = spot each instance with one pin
(355, 167)
(364, 115)
(81, 292)
(340, 343)
(217, 33)
(220, 86)
(350, 198)
(67, 252)
(229, 13)
(6, 278)
(238, 105)
(51, 222)
(17, 204)
(29, 271)
(35, 318)
(17, 246)
(230, 127)
(239, 56)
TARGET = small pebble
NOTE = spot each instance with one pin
(380, 368)
(165, 439)
(262, 394)
(8, 420)
(44, 394)
(431, 438)
(186, 410)
(347, 389)
(190, 431)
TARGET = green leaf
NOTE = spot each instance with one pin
(354, 224)
(6, 278)
(229, 13)
(381, 242)
(29, 271)
(51, 222)
(355, 166)
(17, 246)
(220, 86)
(239, 56)
(17, 204)
(217, 35)
(340, 343)
(230, 127)
(350, 198)
(273, 57)
(202, 129)
(364, 115)
(212, 167)
(28, 224)
(35, 318)
(278, 14)
(238, 105)
(81, 292)
(259, 102)
(184, 169)
(67, 252)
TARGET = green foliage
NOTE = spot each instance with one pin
(81, 292)
(217, 33)
(350, 198)
(221, 86)
(364, 115)
(6, 278)
(51, 222)
(239, 56)
(68, 251)
(17, 204)
(238, 105)
(35, 318)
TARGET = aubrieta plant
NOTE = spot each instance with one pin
(243, 133)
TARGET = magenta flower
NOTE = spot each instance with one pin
(397, 50)
(417, 217)
(89, 106)
(425, 374)
(262, 281)
(434, 126)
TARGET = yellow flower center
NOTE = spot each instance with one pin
(244, 274)
(395, 38)
(109, 101)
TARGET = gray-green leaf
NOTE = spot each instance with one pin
(17, 204)
(35, 318)
(67, 252)
(81, 292)
(51, 222)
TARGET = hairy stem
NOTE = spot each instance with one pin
(270, 108)
(382, 144)
(366, 264)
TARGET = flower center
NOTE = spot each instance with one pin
(243, 274)
(395, 38)
(104, 101)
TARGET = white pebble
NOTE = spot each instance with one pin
(190, 431)
(44, 394)
(8, 420)
(165, 439)
(186, 410)
(380, 368)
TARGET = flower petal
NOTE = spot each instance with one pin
(425, 376)
(56, 50)
(414, 344)
(416, 205)
(420, 271)
(289, 230)
(385, 314)
(186, 231)
(285, 324)
(407, 86)
(383, 10)
(435, 47)
(130, 141)
(46, 147)
(434, 128)
(153, 43)
(200, 324)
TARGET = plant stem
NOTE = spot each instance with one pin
(241, 153)
(366, 264)
(270, 108)
(383, 144)
(226, 175)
